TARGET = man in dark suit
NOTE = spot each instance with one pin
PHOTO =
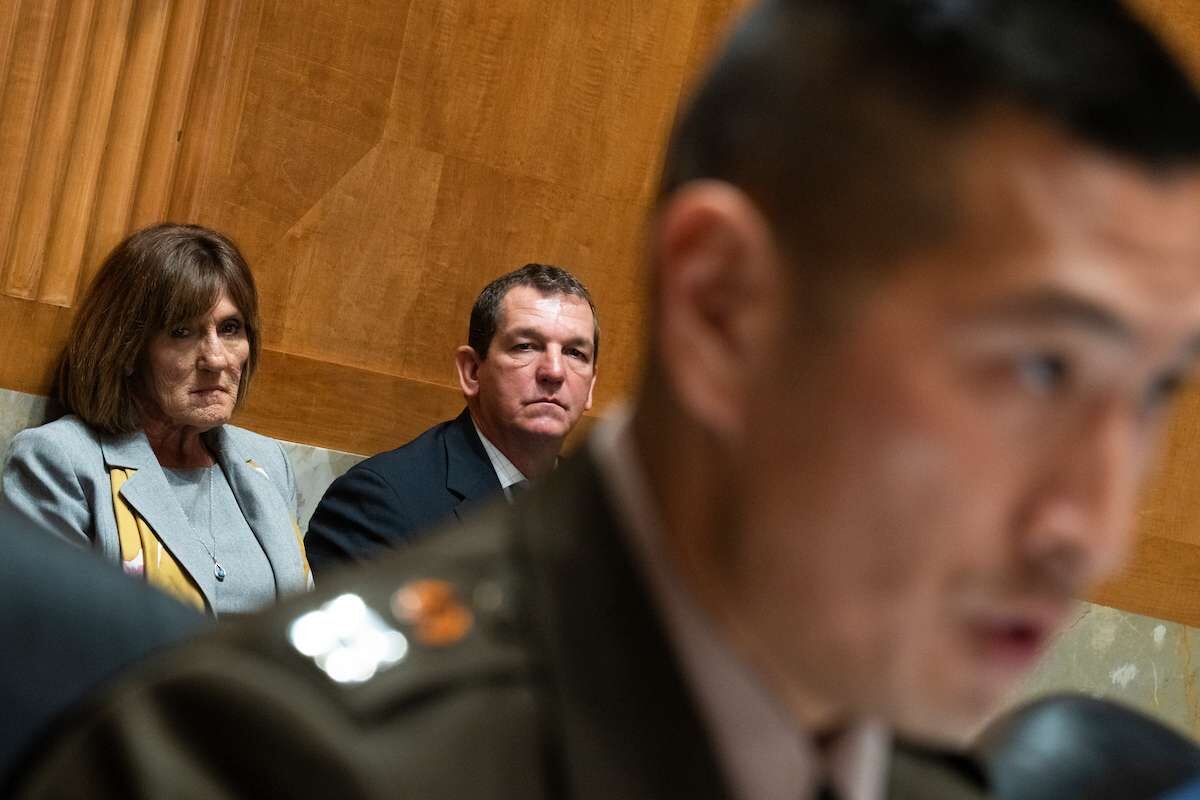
(925, 278)
(527, 373)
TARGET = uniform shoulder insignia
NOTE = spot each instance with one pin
(416, 626)
(433, 610)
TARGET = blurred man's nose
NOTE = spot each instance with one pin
(1079, 521)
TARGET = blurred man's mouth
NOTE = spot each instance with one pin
(1014, 640)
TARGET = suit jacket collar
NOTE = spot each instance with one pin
(628, 724)
(469, 472)
(148, 493)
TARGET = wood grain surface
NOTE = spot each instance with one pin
(379, 161)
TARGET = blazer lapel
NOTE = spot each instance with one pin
(469, 472)
(628, 724)
(148, 493)
(264, 509)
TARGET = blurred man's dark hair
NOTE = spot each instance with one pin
(837, 116)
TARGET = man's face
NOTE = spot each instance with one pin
(925, 491)
(539, 372)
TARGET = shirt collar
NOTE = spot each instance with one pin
(762, 751)
(506, 472)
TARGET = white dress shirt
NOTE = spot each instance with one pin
(761, 750)
(506, 471)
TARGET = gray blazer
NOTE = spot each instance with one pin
(56, 479)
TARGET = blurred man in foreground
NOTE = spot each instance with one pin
(70, 623)
(926, 277)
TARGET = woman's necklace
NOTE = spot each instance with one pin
(218, 570)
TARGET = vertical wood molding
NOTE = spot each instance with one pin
(9, 13)
(126, 138)
(73, 219)
(103, 89)
(169, 106)
(95, 94)
(28, 64)
(210, 129)
(54, 124)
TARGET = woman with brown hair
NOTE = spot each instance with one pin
(144, 468)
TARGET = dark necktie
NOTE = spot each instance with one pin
(517, 489)
(825, 743)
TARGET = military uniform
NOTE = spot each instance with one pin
(515, 657)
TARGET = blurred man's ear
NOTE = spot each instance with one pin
(467, 363)
(720, 295)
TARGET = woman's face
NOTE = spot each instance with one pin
(195, 368)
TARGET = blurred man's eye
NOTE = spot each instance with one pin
(1164, 390)
(1044, 373)
(230, 327)
(179, 333)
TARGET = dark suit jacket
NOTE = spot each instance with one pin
(69, 622)
(386, 500)
(562, 686)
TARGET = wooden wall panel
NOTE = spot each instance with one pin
(126, 143)
(1162, 578)
(570, 93)
(214, 111)
(379, 161)
(164, 125)
(1178, 23)
(473, 238)
(93, 100)
(32, 336)
(29, 59)
(9, 16)
(57, 92)
(72, 215)
(357, 249)
(312, 107)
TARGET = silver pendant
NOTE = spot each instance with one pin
(219, 571)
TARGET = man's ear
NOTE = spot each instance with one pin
(587, 406)
(467, 363)
(720, 295)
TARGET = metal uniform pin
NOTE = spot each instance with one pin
(434, 610)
